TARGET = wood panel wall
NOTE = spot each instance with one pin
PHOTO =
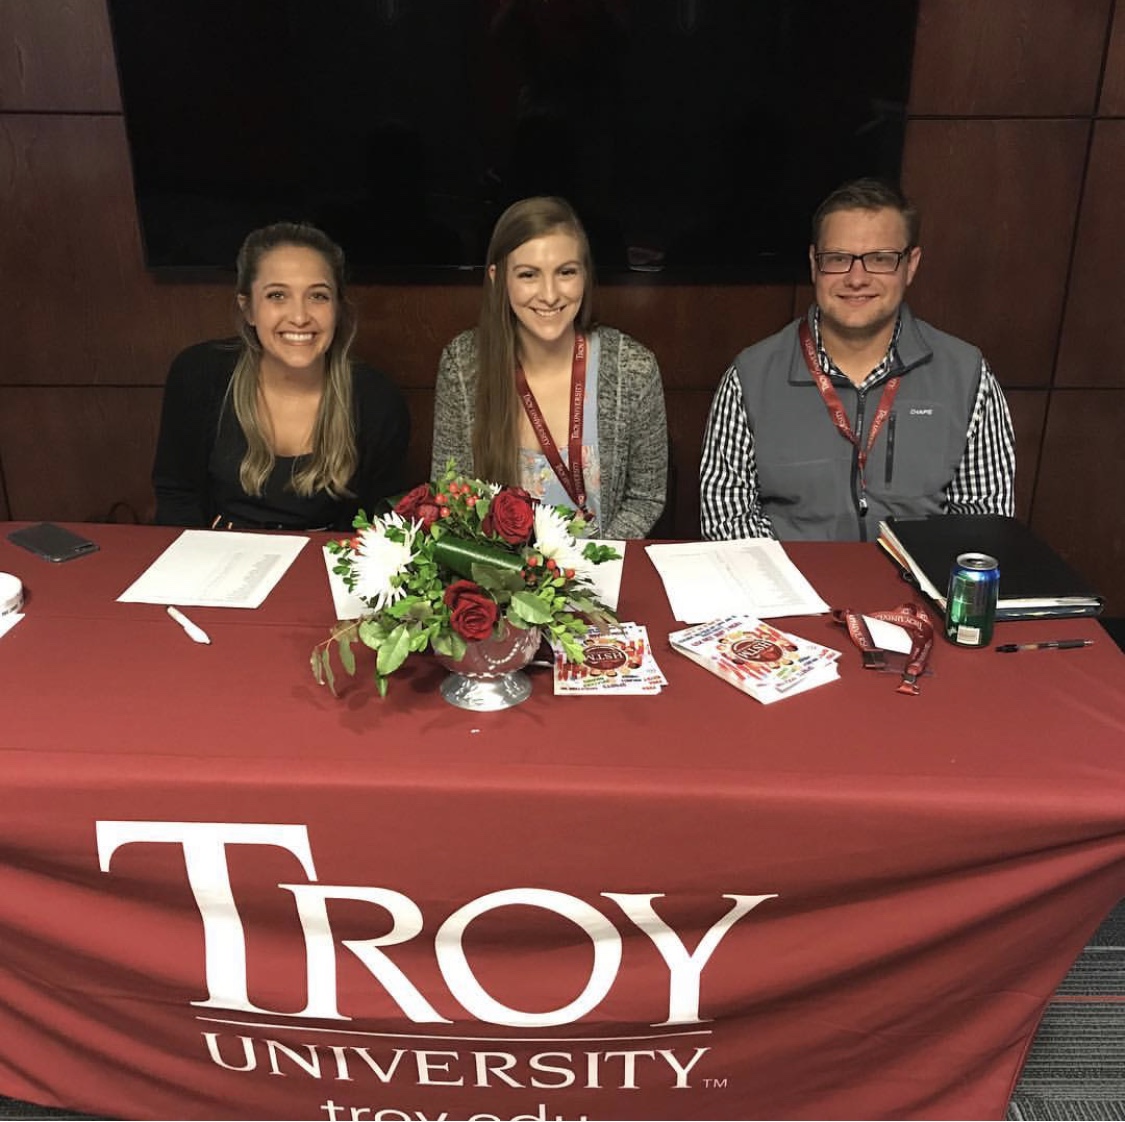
(1015, 152)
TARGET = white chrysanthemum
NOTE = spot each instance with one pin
(379, 559)
(555, 542)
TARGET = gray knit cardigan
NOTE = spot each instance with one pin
(632, 430)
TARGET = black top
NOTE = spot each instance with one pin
(201, 445)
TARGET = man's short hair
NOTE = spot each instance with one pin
(868, 194)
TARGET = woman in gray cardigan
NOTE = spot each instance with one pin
(538, 397)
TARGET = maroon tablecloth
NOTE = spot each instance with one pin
(226, 894)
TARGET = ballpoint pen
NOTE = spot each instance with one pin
(1048, 645)
(194, 631)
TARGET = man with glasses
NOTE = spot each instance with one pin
(857, 411)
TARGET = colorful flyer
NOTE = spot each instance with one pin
(616, 661)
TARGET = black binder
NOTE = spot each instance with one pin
(1035, 582)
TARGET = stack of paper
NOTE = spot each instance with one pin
(617, 661)
(216, 569)
(759, 659)
(705, 580)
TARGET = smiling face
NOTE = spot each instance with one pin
(859, 304)
(546, 283)
(292, 306)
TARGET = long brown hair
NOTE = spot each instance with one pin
(495, 432)
(334, 456)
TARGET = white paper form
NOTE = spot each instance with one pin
(216, 569)
(347, 604)
(888, 636)
(606, 578)
(606, 584)
(751, 576)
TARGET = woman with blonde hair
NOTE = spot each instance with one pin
(281, 428)
(540, 397)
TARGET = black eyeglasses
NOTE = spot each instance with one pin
(877, 261)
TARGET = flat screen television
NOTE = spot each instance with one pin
(694, 137)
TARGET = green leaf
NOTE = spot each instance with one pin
(514, 582)
(460, 555)
(393, 651)
(329, 677)
(410, 607)
(582, 603)
(571, 647)
(449, 644)
(599, 553)
(530, 607)
(347, 655)
(314, 663)
(373, 632)
(496, 580)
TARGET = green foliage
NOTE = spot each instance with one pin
(393, 650)
(597, 553)
(531, 607)
(347, 655)
(449, 644)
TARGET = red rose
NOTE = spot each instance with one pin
(419, 505)
(511, 515)
(472, 613)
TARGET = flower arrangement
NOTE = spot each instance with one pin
(458, 561)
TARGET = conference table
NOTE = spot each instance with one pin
(225, 893)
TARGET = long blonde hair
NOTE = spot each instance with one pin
(495, 423)
(334, 455)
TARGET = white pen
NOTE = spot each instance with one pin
(195, 632)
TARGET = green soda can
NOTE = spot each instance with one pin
(970, 604)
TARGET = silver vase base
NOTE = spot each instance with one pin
(501, 691)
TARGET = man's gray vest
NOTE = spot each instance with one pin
(808, 476)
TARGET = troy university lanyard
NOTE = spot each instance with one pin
(836, 409)
(912, 620)
(569, 474)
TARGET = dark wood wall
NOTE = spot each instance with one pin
(1015, 151)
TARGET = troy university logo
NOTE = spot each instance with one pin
(204, 851)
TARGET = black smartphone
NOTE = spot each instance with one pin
(51, 541)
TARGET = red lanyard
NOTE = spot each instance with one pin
(569, 474)
(907, 616)
(836, 409)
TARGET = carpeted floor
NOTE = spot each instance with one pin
(1076, 1066)
(1075, 1069)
